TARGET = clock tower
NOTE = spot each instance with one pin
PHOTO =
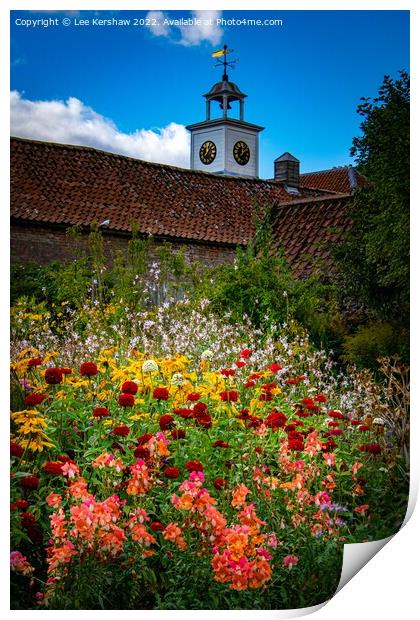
(225, 145)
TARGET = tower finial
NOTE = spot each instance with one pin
(224, 63)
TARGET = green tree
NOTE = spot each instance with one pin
(374, 259)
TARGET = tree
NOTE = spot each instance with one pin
(374, 259)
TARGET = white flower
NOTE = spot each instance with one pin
(177, 379)
(207, 355)
(150, 366)
(379, 421)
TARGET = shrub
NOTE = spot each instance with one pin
(373, 341)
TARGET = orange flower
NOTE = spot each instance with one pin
(58, 523)
(239, 495)
(329, 458)
(53, 499)
(173, 533)
(297, 483)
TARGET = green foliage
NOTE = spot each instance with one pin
(372, 341)
(374, 260)
(369, 342)
(259, 284)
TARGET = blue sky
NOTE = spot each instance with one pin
(134, 88)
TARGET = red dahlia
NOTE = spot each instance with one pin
(275, 420)
(88, 369)
(320, 398)
(219, 483)
(161, 393)
(228, 372)
(53, 376)
(121, 431)
(240, 364)
(126, 400)
(219, 443)
(144, 438)
(268, 386)
(328, 445)
(199, 408)
(21, 504)
(245, 353)
(35, 399)
(292, 381)
(253, 422)
(100, 412)
(35, 361)
(178, 434)
(66, 371)
(165, 422)
(53, 467)
(129, 387)
(171, 472)
(157, 526)
(15, 449)
(28, 519)
(29, 482)
(296, 444)
(141, 452)
(336, 414)
(229, 396)
(275, 367)
(193, 396)
(335, 431)
(249, 384)
(194, 466)
(204, 420)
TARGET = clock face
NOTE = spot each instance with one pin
(241, 153)
(208, 152)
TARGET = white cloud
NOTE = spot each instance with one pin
(208, 30)
(157, 24)
(72, 122)
(203, 28)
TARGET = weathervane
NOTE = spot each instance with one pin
(224, 63)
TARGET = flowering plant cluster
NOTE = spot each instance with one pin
(176, 481)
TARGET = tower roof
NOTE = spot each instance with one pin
(230, 89)
(286, 157)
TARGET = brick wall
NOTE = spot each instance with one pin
(43, 245)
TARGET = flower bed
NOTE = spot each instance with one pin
(172, 482)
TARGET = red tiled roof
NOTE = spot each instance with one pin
(342, 180)
(306, 230)
(71, 185)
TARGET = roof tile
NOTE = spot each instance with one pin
(69, 185)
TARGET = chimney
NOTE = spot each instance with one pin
(286, 170)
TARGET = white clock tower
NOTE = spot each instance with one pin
(225, 145)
